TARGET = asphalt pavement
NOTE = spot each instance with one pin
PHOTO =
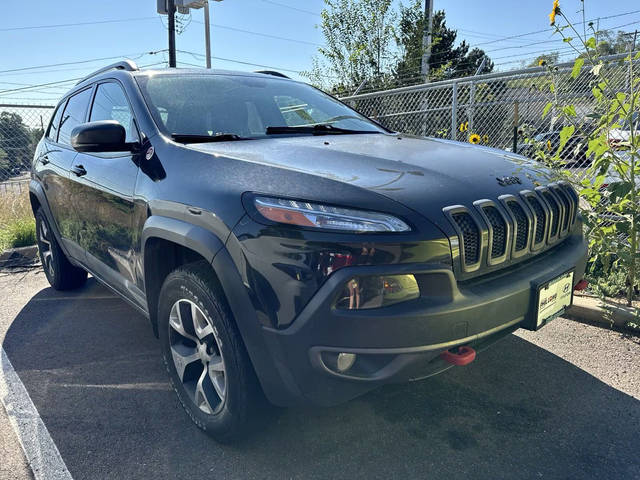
(560, 403)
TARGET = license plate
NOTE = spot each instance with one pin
(553, 298)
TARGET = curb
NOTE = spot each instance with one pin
(19, 257)
(591, 310)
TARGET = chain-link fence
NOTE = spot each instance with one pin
(496, 109)
(21, 128)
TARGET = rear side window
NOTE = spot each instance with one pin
(74, 115)
(110, 103)
(52, 133)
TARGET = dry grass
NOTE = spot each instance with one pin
(17, 226)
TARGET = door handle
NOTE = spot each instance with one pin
(78, 170)
(44, 160)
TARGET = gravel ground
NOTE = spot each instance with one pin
(559, 403)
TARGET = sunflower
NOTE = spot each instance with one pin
(474, 138)
(464, 126)
(542, 62)
(554, 12)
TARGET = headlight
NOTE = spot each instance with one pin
(305, 214)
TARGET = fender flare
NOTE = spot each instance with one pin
(177, 231)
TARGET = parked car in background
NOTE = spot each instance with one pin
(619, 138)
(574, 153)
(284, 246)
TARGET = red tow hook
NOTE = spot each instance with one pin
(581, 285)
(464, 356)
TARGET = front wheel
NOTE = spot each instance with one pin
(204, 354)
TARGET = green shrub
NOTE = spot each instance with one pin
(20, 233)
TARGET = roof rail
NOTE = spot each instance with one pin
(128, 65)
(272, 72)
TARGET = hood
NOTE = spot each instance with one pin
(421, 173)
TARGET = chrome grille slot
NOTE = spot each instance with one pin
(570, 192)
(555, 212)
(566, 205)
(499, 231)
(470, 237)
(540, 217)
(522, 225)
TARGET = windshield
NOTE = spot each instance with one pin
(245, 106)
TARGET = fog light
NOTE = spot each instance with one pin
(345, 361)
(361, 293)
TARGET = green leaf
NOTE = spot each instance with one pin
(569, 111)
(546, 109)
(591, 42)
(567, 39)
(577, 66)
(565, 135)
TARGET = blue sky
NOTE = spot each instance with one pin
(484, 24)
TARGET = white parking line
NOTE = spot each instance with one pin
(42, 454)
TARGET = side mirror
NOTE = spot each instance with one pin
(102, 136)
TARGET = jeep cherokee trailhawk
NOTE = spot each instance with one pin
(285, 246)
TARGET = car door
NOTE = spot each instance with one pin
(105, 195)
(53, 166)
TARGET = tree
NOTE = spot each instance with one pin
(359, 37)
(15, 141)
(446, 59)
(608, 44)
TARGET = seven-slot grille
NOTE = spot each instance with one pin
(515, 225)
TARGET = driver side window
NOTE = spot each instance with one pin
(110, 103)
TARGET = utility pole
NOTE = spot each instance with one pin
(207, 33)
(171, 11)
(426, 38)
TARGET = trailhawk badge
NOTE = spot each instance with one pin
(504, 181)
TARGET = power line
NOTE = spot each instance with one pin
(283, 5)
(77, 24)
(529, 45)
(551, 30)
(251, 64)
(260, 34)
(78, 62)
(61, 82)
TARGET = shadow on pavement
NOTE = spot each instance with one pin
(93, 370)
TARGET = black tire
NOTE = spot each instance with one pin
(62, 275)
(194, 286)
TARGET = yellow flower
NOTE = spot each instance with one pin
(542, 62)
(464, 126)
(554, 12)
(485, 138)
(474, 138)
(549, 145)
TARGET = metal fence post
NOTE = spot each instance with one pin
(471, 109)
(454, 111)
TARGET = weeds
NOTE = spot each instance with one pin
(17, 225)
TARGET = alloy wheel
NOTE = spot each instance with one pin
(45, 247)
(195, 348)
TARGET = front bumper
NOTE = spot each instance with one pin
(404, 341)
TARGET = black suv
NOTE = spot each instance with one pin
(284, 246)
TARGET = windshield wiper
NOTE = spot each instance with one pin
(320, 129)
(218, 137)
